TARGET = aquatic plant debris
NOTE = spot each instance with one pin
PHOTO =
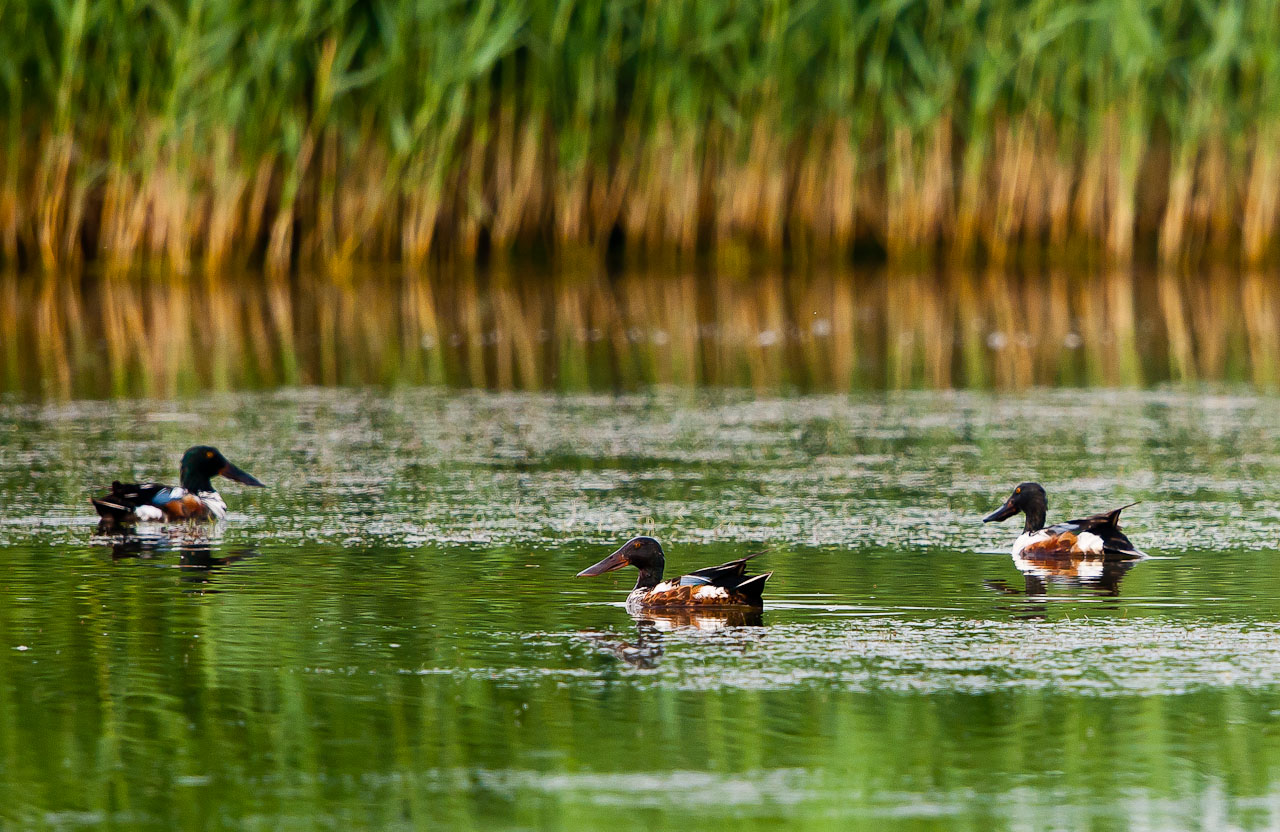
(903, 470)
(1097, 658)
(369, 630)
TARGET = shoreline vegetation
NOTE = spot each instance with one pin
(202, 135)
(822, 330)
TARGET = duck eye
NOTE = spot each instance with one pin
(209, 454)
(1017, 491)
(635, 545)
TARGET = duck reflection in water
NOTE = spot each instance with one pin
(652, 624)
(1100, 575)
(703, 620)
(199, 552)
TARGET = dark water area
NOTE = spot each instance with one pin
(390, 635)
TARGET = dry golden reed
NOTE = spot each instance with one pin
(212, 134)
(129, 335)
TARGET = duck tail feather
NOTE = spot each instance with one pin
(753, 587)
(108, 510)
(1113, 516)
(739, 566)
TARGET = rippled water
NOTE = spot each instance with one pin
(390, 635)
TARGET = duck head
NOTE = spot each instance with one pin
(1028, 498)
(644, 553)
(202, 463)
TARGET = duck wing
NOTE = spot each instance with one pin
(125, 498)
(738, 587)
(1106, 526)
(725, 572)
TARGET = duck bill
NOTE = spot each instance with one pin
(1003, 513)
(615, 561)
(231, 472)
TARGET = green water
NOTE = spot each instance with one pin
(390, 636)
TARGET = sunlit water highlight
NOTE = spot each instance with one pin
(390, 636)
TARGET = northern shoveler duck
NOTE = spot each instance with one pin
(726, 585)
(1097, 535)
(194, 499)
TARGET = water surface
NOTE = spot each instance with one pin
(390, 636)
(776, 331)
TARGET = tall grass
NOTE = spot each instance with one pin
(214, 133)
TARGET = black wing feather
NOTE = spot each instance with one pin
(125, 497)
(1106, 526)
(732, 576)
(734, 568)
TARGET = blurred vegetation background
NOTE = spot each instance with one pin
(209, 133)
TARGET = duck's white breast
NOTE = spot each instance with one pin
(214, 504)
(1026, 539)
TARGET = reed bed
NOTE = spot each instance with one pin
(210, 134)
(825, 330)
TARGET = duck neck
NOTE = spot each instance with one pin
(650, 576)
(195, 483)
(1035, 513)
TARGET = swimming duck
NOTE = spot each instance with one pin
(1096, 535)
(726, 585)
(194, 499)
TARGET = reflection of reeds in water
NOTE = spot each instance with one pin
(123, 335)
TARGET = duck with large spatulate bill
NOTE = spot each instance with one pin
(1098, 535)
(194, 499)
(726, 585)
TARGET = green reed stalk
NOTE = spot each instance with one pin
(229, 132)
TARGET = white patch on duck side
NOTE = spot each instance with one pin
(711, 592)
(148, 514)
(665, 586)
(1089, 543)
(1026, 539)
